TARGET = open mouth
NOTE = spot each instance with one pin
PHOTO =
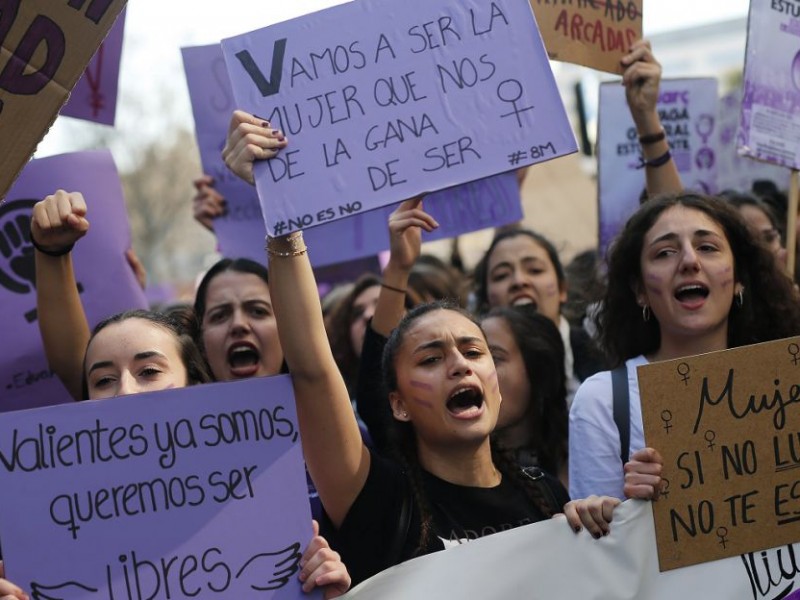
(465, 402)
(523, 300)
(691, 294)
(243, 359)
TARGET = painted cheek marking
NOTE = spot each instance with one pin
(425, 403)
(653, 277)
(421, 385)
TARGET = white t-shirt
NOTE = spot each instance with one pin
(595, 466)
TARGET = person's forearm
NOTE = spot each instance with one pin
(660, 178)
(62, 321)
(391, 301)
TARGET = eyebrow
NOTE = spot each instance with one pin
(140, 356)
(436, 344)
(674, 236)
(524, 259)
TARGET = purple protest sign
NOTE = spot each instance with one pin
(688, 110)
(490, 202)
(94, 98)
(382, 101)
(770, 120)
(107, 283)
(171, 494)
(738, 172)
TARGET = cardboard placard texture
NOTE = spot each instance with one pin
(45, 46)
(728, 427)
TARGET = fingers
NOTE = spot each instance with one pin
(137, 267)
(322, 566)
(643, 474)
(640, 50)
(208, 203)
(594, 513)
(250, 139)
(9, 591)
(399, 222)
(59, 220)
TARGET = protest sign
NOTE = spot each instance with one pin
(46, 46)
(688, 111)
(171, 494)
(592, 33)
(727, 426)
(770, 119)
(380, 103)
(548, 560)
(104, 278)
(489, 202)
(737, 172)
(94, 97)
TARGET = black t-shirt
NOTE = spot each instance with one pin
(374, 537)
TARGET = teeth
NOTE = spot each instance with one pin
(521, 301)
(687, 288)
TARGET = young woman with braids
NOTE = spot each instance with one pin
(449, 486)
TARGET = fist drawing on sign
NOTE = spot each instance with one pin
(17, 267)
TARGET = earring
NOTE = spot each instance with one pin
(740, 297)
(645, 313)
(405, 415)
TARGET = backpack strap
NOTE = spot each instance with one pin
(536, 475)
(622, 409)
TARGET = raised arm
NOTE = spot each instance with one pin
(642, 78)
(405, 237)
(336, 457)
(58, 222)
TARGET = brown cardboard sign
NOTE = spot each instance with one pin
(45, 46)
(728, 427)
(593, 33)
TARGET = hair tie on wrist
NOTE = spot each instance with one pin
(655, 162)
(55, 253)
(394, 289)
(652, 138)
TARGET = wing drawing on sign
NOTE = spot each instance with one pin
(280, 566)
(62, 591)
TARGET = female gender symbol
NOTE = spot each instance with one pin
(710, 436)
(794, 350)
(666, 416)
(683, 370)
(722, 532)
(512, 86)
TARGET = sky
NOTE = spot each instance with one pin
(155, 30)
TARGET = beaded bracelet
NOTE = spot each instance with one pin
(294, 244)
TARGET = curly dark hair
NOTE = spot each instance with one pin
(481, 272)
(542, 351)
(770, 311)
(196, 367)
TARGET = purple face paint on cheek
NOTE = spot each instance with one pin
(420, 385)
(421, 402)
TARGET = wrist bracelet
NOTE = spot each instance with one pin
(655, 162)
(652, 138)
(55, 253)
(394, 289)
(287, 246)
